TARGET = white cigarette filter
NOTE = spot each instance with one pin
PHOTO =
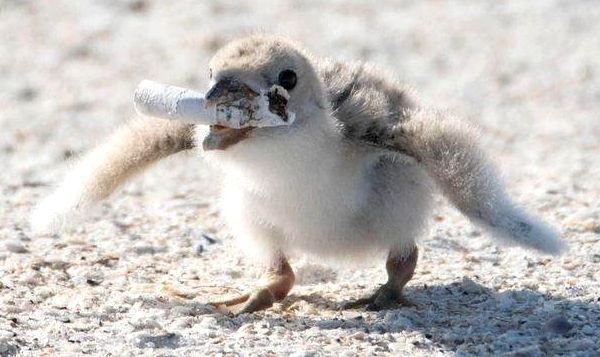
(252, 109)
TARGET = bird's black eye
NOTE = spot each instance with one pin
(210, 73)
(287, 79)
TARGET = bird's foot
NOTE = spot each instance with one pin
(257, 300)
(279, 281)
(386, 297)
(400, 269)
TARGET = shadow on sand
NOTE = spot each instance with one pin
(466, 317)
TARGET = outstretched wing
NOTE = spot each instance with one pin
(365, 103)
(373, 110)
(129, 150)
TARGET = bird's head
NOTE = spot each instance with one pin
(254, 64)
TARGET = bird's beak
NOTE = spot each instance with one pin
(225, 92)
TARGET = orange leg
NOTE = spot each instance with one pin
(400, 270)
(280, 280)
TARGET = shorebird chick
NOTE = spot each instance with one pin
(351, 176)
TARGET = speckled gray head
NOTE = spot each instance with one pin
(255, 65)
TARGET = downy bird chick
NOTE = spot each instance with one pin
(349, 177)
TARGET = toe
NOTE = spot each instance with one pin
(230, 302)
(349, 305)
(384, 298)
(387, 300)
(258, 300)
(362, 302)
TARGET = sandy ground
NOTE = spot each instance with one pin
(133, 280)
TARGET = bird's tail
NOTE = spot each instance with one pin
(449, 151)
(130, 149)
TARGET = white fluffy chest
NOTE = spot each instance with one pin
(311, 196)
(306, 195)
(312, 200)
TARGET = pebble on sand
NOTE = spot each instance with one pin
(15, 246)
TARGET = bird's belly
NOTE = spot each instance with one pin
(334, 201)
(320, 216)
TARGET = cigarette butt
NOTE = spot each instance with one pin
(171, 102)
(175, 103)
